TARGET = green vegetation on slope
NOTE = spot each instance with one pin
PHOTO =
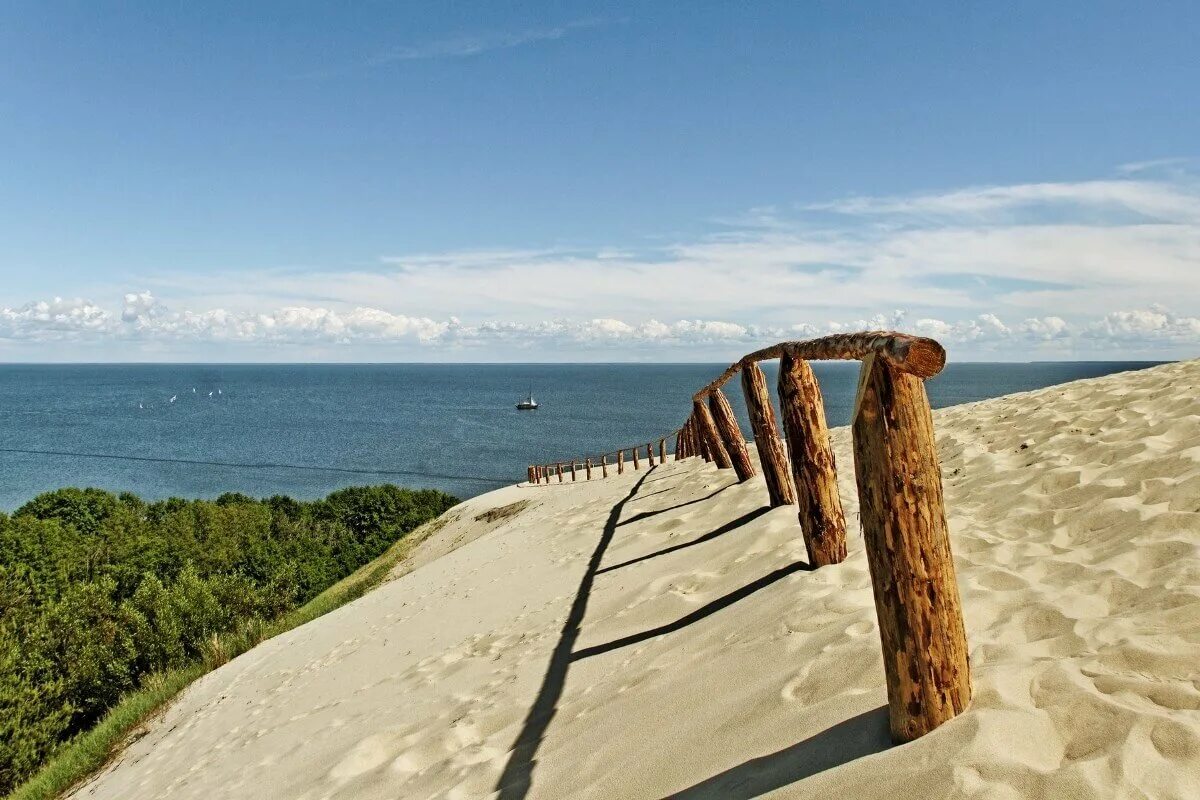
(110, 605)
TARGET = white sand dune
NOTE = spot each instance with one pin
(659, 634)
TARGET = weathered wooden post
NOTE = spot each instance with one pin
(650, 454)
(589, 469)
(529, 474)
(820, 506)
(560, 475)
(899, 480)
(573, 464)
(662, 450)
(771, 454)
(604, 466)
(710, 437)
(679, 446)
(731, 435)
(635, 458)
(620, 462)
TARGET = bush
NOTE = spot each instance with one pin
(100, 593)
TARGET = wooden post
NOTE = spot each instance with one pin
(710, 437)
(731, 435)
(589, 469)
(650, 454)
(899, 479)
(573, 463)
(604, 466)
(560, 477)
(813, 467)
(620, 461)
(529, 474)
(766, 437)
(635, 458)
(662, 450)
(679, 446)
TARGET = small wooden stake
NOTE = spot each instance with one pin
(731, 435)
(662, 451)
(573, 470)
(899, 480)
(589, 469)
(620, 462)
(710, 437)
(635, 458)
(771, 454)
(604, 466)
(813, 467)
(679, 446)
(650, 454)
(560, 477)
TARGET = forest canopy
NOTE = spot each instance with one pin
(100, 591)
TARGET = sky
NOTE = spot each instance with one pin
(596, 181)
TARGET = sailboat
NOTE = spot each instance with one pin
(528, 404)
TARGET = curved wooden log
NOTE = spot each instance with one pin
(899, 480)
(916, 355)
(771, 454)
(813, 469)
(710, 436)
(731, 435)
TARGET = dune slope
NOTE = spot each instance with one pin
(659, 634)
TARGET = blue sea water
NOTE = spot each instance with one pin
(305, 430)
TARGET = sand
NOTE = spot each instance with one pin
(659, 634)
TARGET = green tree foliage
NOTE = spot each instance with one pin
(99, 591)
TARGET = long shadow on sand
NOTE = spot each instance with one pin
(700, 613)
(856, 737)
(656, 512)
(724, 529)
(517, 776)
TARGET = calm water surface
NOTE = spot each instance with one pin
(450, 427)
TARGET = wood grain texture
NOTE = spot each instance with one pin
(731, 435)
(709, 436)
(814, 472)
(772, 456)
(899, 480)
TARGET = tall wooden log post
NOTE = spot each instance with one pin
(694, 433)
(662, 450)
(573, 463)
(813, 469)
(679, 446)
(731, 435)
(685, 438)
(899, 479)
(589, 469)
(710, 437)
(620, 462)
(529, 474)
(560, 475)
(650, 454)
(771, 455)
(635, 458)
(604, 466)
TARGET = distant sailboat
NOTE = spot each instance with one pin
(193, 390)
(218, 391)
(528, 404)
(210, 394)
(172, 400)
(140, 405)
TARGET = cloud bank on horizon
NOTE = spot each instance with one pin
(1105, 268)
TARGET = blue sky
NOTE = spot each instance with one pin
(595, 181)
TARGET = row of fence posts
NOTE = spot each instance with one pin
(546, 473)
(899, 488)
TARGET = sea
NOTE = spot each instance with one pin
(198, 430)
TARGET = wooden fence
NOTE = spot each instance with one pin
(899, 490)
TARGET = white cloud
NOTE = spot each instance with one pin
(468, 45)
(1067, 268)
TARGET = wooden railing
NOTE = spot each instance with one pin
(899, 483)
